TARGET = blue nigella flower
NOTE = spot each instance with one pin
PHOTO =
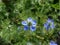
(29, 20)
(53, 43)
(49, 24)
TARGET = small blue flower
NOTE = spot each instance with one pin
(53, 43)
(24, 23)
(29, 19)
(26, 27)
(32, 28)
(49, 24)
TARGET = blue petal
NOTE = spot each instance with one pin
(52, 43)
(34, 22)
(24, 23)
(29, 19)
(47, 26)
(32, 28)
(49, 20)
(26, 27)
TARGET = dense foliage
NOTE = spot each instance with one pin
(13, 12)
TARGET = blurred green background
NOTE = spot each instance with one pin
(13, 12)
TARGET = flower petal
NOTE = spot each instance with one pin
(53, 43)
(29, 19)
(47, 26)
(24, 23)
(26, 27)
(34, 23)
(32, 28)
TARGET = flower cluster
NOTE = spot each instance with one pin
(32, 27)
(49, 24)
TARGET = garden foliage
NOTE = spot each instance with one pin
(13, 28)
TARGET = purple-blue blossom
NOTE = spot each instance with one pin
(49, 24)
(32, 26)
